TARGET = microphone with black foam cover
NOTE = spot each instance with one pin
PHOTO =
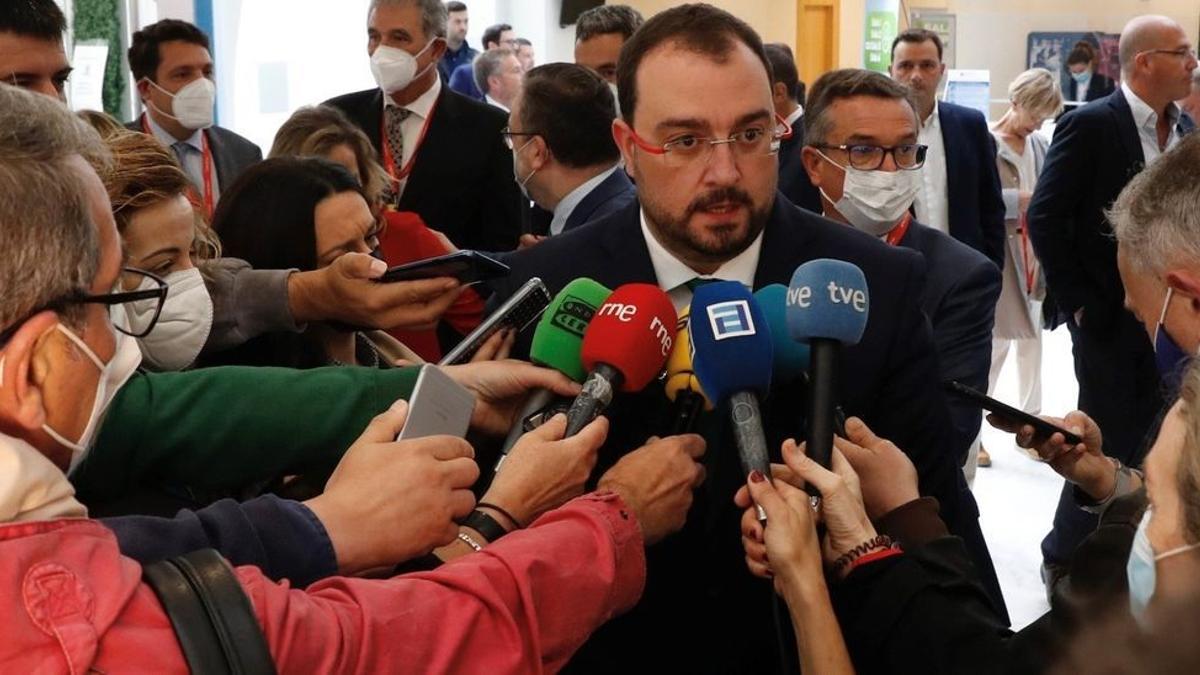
(733, 358)
(624, 348)
(682, 386)
(827, 306)
(557, 341)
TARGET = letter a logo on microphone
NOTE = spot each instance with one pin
(730, 319)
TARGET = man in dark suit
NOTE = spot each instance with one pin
(463, 80)
(961, 186)
(458, 52)
(444, 152)
(173, 70)
(1095, 152)
(874, 113)
(787, 93)
(696, 78)
(560, 129)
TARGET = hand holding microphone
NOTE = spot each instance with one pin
(624, 348)
(556, 344)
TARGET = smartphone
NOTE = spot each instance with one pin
(520, 310)
(1041, 428)
(439, 406)
(466, 266)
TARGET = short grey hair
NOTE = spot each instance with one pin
(1157, 216)
(433, 14)
(49, 245)
(488, 64)
(836, 85)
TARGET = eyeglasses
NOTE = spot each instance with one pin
(1182, 52)
(908, 156)
(508, 134)
(141, 322)
(687, 149)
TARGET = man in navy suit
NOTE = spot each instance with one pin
(696, 131)
(787, 93)
(560, 129)
(1096, 150)
(961, 193)
(444, 151)
(861, 123)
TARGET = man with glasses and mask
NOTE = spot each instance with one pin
(442, 150)
(699, 135)
(1097, 149)
(863, 156)
(173, 70)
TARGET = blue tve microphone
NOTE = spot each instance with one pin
(732, 358)
(791, 357)
(827, 305)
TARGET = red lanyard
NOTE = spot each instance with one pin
(206, 202)
(389, 162)
(1027, 257)
(899, 230)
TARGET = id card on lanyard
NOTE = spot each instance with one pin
(399, 174)
(901, 229)
(207, 201)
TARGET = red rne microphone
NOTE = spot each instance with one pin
(624, 348)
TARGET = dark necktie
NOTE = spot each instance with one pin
(395, 140)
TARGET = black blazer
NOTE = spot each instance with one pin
(976, 204)
(1095, 152)
(462, 179)
(702, 611)
(232, 154)
(793, 181)
(611, 195)
(1098, 87)
(960, 297)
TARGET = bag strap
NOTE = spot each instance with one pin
(212, 617)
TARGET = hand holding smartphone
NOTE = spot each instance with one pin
(439, 406)
(466, 266)
(1042, 430)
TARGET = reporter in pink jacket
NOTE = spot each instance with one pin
(72, 603)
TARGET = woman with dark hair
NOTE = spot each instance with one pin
(1086, 84)
(290, 213)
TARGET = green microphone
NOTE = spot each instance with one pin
(556, 344)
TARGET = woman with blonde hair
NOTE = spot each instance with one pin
(164, 235)
(322, 131)
(1020, 155)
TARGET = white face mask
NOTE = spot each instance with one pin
(113, 376)
(192, 105)
(183, 325)
(522, 184)
(394, 69)
(875, 201)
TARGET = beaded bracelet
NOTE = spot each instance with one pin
(881, 541)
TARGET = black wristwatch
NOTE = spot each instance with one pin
(485, 525)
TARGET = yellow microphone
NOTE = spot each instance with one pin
(682, 387)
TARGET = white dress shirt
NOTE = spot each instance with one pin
(190, 155)
(567, 205)
(931, 204)
(1146, 121)
(673, 274)
(410, 128)
(496, 103)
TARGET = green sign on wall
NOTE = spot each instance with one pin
(882, 24)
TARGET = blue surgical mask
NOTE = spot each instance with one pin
(1082, 78)
(1141, 570)
(1168, 355)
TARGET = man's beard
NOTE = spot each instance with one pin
(723, 242)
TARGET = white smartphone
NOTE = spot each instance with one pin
(439, 406)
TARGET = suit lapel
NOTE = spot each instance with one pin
(625, 248)
(784, 245)
(1126, 130)
(222, 162)
(951, 140)
(615, 184)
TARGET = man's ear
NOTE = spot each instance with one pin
(812, 162)
(143, 88)
(438, 49)
(541, 153)
(623, 137)
(26, 367)
(1187, 282)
